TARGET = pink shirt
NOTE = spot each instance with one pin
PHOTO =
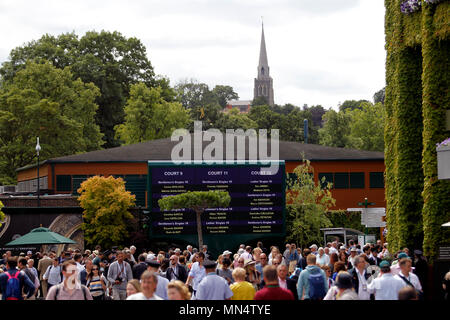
(282, 283)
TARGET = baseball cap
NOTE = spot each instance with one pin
(402, 255)
(384, 264)
(342, 248)
(226, 252)
(313, 246)
(29, 252)
(353, 249)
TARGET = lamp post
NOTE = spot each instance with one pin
(38, 148)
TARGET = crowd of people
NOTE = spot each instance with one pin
(334, 272)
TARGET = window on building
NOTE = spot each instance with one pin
(341, 180)
(77, 180)
(63, 183)
(376, 179)
(328, 178)
(357, 180)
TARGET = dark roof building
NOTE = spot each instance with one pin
(358, 170)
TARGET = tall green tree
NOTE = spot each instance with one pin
(335, 130)
(307, 204)
(148, 116)
(351, 105)
(108, 59)
(197, 201)
(367, 128)
(46, 102)
(233, 119)
(105, 204)
(224, 94)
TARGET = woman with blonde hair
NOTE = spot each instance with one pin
(242, 290)
(177, 290)
(133, 286)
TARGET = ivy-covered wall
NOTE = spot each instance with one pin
(417, 95)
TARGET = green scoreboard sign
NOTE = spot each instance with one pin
(256, 210)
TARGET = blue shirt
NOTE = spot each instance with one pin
(161, 287)
(25, 283)
(213, 287)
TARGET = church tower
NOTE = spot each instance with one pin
(263, 82)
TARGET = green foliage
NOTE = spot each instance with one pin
(196, 200)
(336, 129)
(224, 94)
(235, 120)
(307, 204)
(148, 116)
(109, 60)
(379, 96)
(350, 105)
(105, 204)
(435, 77)
(43, 101)
(345, 219)
(416, 76)
(367, 127)
(2, 214)
(259, 101)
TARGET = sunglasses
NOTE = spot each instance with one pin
(95, 269)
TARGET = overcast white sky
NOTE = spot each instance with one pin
(319, 51)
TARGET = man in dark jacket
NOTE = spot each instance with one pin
(175, 270)
(140, 267)
(286, 282)
(25, 283)
(359, 278)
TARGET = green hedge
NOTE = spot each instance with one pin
(417, 96)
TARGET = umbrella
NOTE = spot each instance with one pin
(40, 236)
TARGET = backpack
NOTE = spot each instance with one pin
(13, 291)
(83, 288)
(316, 286)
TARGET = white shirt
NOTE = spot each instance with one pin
(80, 267)
(197, 273)
(362, 294)
(141, 296)
(411, 278)
(334, 250)
(386, 287)
(246, 255)
(282, 283)
(323, 260)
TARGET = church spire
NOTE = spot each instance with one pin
(263, 82)
(263, 66)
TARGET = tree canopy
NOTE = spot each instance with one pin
(105, 204)
(148, 116)
(108, 59)
(44, 101)
(307, 204)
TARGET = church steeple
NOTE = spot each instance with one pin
(263, 82)
(263, 66)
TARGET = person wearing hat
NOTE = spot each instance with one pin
(407, 276)
(344, 287)
(161, 287)
(386, 286)
(253, 276)
(420, 265)
(351, 258)
(213, 287)
(395, 267)
(313, 249)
